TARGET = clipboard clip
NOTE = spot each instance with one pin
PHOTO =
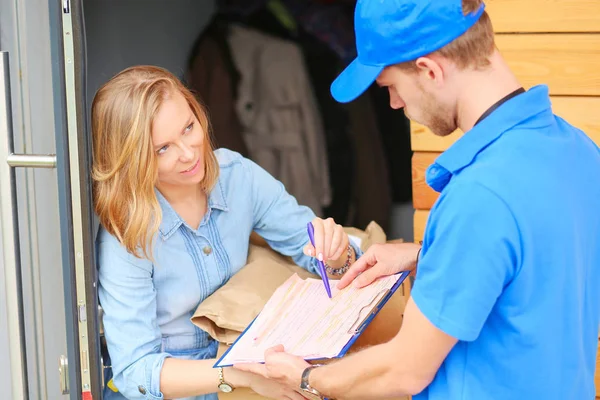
(362, 323)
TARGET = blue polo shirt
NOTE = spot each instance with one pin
(511, 257)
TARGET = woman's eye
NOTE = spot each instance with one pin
(189, 127)
(162, 150)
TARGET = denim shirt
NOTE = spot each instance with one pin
(148, 305)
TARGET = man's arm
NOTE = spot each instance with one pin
(461, 276)
(404, 365)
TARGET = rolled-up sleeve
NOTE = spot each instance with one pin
(128, 297)
(278, 217)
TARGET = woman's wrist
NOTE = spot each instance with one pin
(341, 265)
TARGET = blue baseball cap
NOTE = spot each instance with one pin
(389, 32)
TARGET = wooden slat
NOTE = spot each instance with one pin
(567, 63)
(422, 139)
(420, 220)
(582, 112)
(423, 195)
(544, 15)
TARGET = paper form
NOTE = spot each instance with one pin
(300, 316)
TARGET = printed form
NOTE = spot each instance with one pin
(300, 316)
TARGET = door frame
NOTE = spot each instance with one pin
(82, 379)
(80, 273)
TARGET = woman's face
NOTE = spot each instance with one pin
(178, 141)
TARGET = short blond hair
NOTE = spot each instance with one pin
(125, 166)
(473, 48)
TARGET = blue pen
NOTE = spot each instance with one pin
(322, 270)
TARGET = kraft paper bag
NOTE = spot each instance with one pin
(227, 312)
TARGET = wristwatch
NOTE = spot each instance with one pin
(223, 385)
(308, 391)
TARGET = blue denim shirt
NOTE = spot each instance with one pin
(148, 305)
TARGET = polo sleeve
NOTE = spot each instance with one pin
(470, 253)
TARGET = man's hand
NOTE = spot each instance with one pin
(279, 366)
(273, 390)
(381, 260)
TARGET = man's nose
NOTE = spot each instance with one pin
(395, 100)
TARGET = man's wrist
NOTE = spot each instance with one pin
(237, 378)
(417, 259)
(306, 387)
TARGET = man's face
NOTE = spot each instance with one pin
(420, 105)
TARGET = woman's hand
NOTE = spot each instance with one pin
(331, 243)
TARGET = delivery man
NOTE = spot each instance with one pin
(506, 302)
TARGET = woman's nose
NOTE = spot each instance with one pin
(187, 153)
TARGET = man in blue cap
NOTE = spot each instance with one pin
(506, 302)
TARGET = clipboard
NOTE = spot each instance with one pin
(357, 327)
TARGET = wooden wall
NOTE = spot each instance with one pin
(556, 42)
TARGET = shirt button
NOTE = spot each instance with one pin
(433, 170)
(142, 389)
(207, 250)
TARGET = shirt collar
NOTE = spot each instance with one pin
(462, 153)
(171, 221)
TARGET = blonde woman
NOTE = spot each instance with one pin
(176, 218)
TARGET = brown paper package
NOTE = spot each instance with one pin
(227, 312)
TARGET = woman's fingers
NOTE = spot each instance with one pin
(339, 243)
(309, 250)
(318, 237)
(328, 232)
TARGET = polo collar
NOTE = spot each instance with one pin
(171, 221)
(462, 153)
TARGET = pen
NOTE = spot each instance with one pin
(322, 270)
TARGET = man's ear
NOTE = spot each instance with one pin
(430, 70)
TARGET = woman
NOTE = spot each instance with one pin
(176, 220)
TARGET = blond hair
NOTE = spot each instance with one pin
(125, 166)
(473, 48)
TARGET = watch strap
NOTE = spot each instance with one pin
(223, 382)
(305, 386)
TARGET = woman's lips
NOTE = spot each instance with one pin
(193, 169)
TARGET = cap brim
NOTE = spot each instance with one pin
(353, 81)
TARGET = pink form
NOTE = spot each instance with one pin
(300, 316)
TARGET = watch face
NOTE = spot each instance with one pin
(225, 388)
